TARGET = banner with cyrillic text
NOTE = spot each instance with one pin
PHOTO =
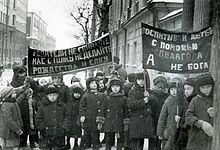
(41, 62)
(176, 52)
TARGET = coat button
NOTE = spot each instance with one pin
(98, 102)
(99, 110)
(141, 116)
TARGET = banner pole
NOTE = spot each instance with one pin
(113, 64)
(145, 84)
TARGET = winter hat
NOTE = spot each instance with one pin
(58, 75)
(116, 59)
(89, 80)
(204, 79)
(160, 78)
(179, 80)
(115, 81)
(76, 89)
(74, 79)
(140, 75)
(52, 89)
(190, 81)
(19, 69)
(131, 77)
(99, 73)
(6, 92)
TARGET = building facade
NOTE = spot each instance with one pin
(125, 26)
(50, 42)
(13, 45)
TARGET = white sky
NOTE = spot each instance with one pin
(60, 24)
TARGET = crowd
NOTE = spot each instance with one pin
(175, 115)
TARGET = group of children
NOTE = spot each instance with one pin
(174, 115)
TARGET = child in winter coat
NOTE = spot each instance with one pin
(113, 115)
(89, 106)
(10, 120)
(75, 126)
(52, 120)
(200, 115)
(171, 115)
(143, 112)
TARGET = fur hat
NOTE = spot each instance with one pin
(190, 81)
(76, 89)
(52, 89)
(6, 92)
(19, 69)
(89, 80)
(140, 75)
(99, 73)
(74, 79)
(115, 81)
(204, 79)
(160, 78)
(131, 77)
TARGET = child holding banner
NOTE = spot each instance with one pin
(143, 108)
(172, 115)
(89, 107)
(200, 114)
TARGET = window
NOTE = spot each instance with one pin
(136, 6)
(134, 53)
(129, 9)
(13, 19)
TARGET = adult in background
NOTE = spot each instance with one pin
(26, 107)
(64, 91)
(119, 68)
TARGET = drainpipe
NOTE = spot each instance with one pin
(125, 45)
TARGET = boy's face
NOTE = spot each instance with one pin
(101, 84)
(173, 91)
(206, 89)
(161, 86)
(76, 95)
(93, 85)
(43, 82)
(188, 90)
(57, 80)
(140, 82)
(52, 97)
(22, 75)
(115, 88)
(14, 94)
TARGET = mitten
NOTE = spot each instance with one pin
(207, 128)
(82, 119)
(177, 118)
(99, 126)
(126, 126)
(211, 112)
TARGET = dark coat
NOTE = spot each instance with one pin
(142, 116)
(197, 110)
(167, 125)
(75, 126)
(10, 119)
(89, 106)
(114, 113)
(52, 117)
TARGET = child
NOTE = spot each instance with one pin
(52, 120)
(113, 115)
(75, 128)
(10, 120)
(172, 113)
(189, 88)
(143, 109)
(89, 106)
(200, 115)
